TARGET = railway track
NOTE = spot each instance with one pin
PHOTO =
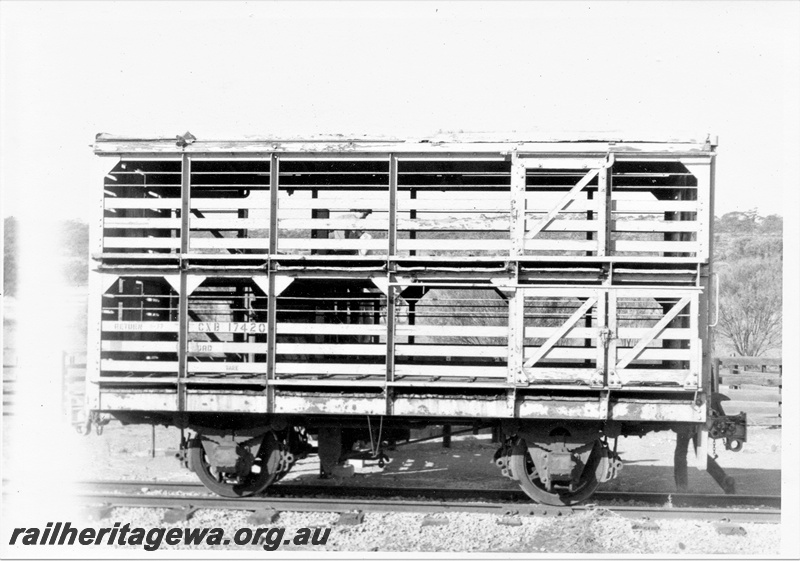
(323, 498)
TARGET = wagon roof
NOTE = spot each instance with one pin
(585, 142)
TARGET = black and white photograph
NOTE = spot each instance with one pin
(400, 279)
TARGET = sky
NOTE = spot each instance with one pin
(73, 69)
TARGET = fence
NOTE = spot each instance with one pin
(754, 385)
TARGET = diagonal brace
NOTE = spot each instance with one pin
(560, 332)
(568, 198)
(653, 332)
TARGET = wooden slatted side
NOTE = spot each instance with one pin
(228, 329)
(562, 335)
(657, 341)
(563, 211)
(330, 329)
(139, 329)
(453, 207)
(141, 207)
(229, 206)
(333, 207)
(450, 332)
(657, 209)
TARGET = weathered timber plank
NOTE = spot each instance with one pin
(455, 245)
(228, 366)
(141, 326)
(330, 349)
(447, 370)
(142, 243)
(229, 223)
(229, 243)
(451, 331)
(487, 351)
(750, 361)
(651, 246)
(333, 244)
(763, 379)
(140, 346)
(329, 329)
(328, 368)
(138, 366)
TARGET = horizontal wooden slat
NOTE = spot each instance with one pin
(559, 245)
(632, 376)
(228, 366)
(559, 374)
(653, 292)
(534, 163)
(660, 354)
(228, 223)
(140, 346)
(142, 223)
(141, 326)
(329, 329)
(138, 366)
(490, 351)
(213, 347)
(137, 380)
(654, 246)
(328, 368)
(340, 204)
(565, 225)
(334, 223)
(750, 361)
(493, 203)
(137, 243)
(259, 200)
(451, 330)
(455, 245)
(332, 244)
(229, 243)
(755, 378)
(250, 328)
(460, 371)
(330, 349)
(622, 333)
(669, 333)
(534, 204)
(654, 226)
(634, 206)
(199, 379)
(149, 203)
(562, 353)
(453, 223)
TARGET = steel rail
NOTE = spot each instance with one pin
(503, 502)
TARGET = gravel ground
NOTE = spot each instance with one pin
(599, 532)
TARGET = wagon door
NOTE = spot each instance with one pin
(564, 335)
(656, 337)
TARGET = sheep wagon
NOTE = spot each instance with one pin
(256, 292)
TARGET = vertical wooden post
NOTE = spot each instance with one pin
(447, 431)
(183, 296)
(517, 210)
(392, 205)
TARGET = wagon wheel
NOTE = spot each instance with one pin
(262, 473)
(523, 469)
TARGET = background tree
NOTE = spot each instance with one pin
(751, 305)
(10, 256)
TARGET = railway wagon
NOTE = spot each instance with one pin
(256, 292)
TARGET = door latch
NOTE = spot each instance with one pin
(606, 336)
